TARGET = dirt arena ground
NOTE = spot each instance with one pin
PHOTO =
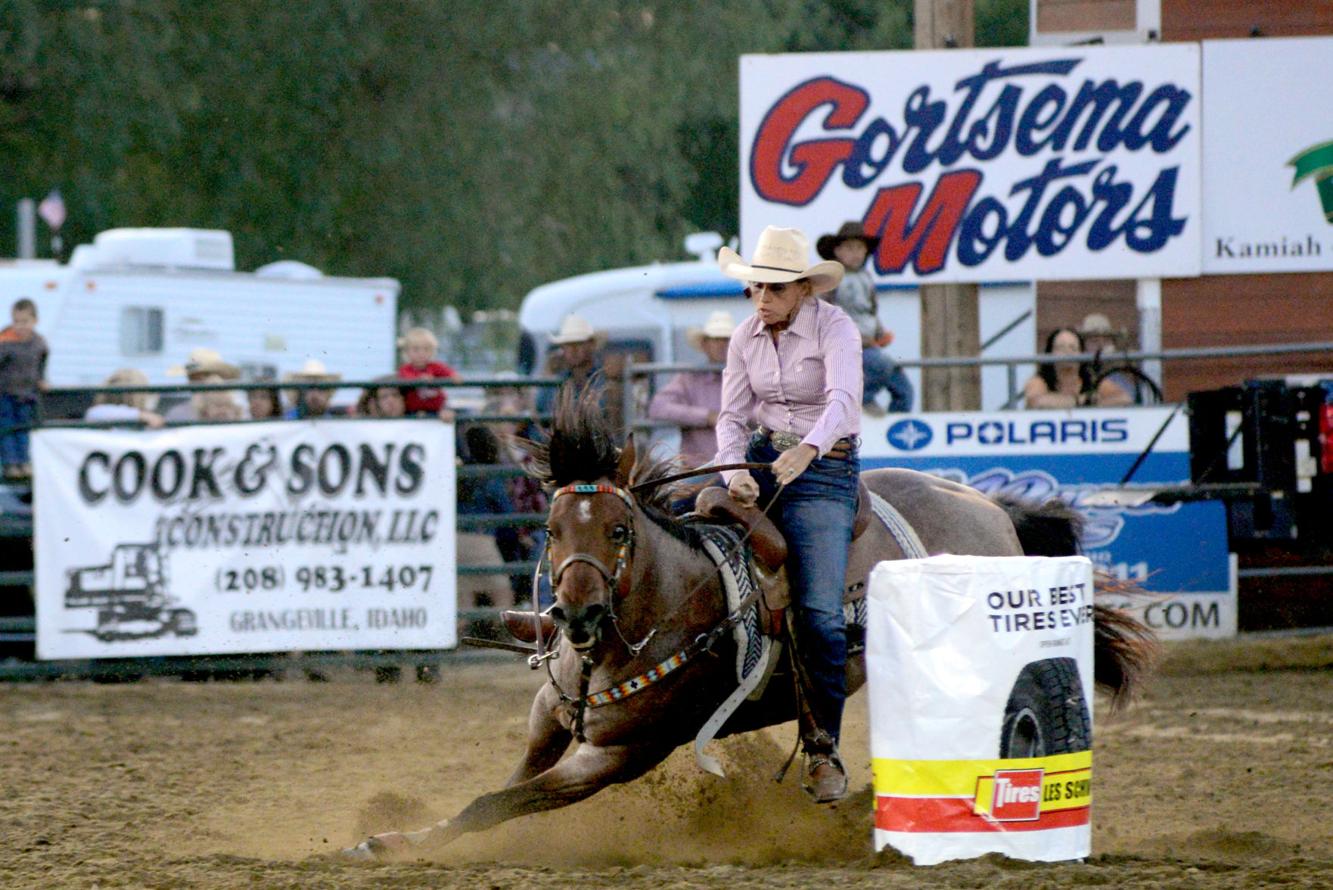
(1217, 778)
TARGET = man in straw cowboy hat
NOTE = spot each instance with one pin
(311, 401)
(791, 398)
(1101, 338)
(851, 246)
(692, 399)
(202, 365)
(579, 363)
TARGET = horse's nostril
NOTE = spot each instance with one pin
(593, 613)
(558, 615)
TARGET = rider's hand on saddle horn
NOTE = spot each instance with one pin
(744, 489)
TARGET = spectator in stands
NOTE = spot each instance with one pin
(23, 354)
(419, 348)
(692, 399)
(525, 493)
(1104, 341)
(578, 363)
(856, 295)
(1069, 384)
(203, 365)
(217, 406)
(126, 407)
(265, 404)
(312, 402)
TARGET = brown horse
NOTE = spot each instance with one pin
(635, 590)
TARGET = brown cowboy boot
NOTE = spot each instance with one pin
(825, 778)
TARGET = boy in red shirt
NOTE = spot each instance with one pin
(419, 347)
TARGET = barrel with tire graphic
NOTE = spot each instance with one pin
(1047, 712)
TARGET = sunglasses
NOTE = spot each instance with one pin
(777, 289)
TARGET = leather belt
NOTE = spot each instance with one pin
(783, 441)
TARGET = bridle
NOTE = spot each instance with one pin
(612, 577)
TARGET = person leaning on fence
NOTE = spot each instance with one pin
(264, 404)
(692, 399)
(202, 365)
(23, 354)
(856, 295)
(794, 372)
(1104, 341)
(311, 402)
(125, 407)
(1069, 384)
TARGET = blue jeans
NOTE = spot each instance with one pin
(815, 514)
(882, 372)
(14, 445)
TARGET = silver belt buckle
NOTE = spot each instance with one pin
(783, 441)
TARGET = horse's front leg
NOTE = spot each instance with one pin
(590, 770)
(548, 739)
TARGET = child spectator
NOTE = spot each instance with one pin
(23, 354)
(855, 294)
(419, 348)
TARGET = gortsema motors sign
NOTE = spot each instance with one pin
(983, 165)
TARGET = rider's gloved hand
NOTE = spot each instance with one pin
(744, 489)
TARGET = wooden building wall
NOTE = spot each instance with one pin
(1214, 310)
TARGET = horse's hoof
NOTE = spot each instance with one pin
(360, 853)
(379, 846)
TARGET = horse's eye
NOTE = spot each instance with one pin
(551, 533)
(620, 534)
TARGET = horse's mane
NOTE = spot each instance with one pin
(580, 446)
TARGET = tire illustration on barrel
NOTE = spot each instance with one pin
(1047, 712)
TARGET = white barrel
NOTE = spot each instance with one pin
(980, 683)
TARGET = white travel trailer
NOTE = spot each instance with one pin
(648, 311)
(143, 298)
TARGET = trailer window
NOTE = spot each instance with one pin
(140, 330)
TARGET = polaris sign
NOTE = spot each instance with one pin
(1177, 551)
(1027, 432)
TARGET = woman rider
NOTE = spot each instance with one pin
(791, 396)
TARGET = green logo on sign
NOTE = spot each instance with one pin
(1317, 161)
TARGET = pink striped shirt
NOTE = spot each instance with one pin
(808, 384)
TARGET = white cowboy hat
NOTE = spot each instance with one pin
(719, 326)
(575, 329)
(203, 361)
(312, 371)
(781, 255)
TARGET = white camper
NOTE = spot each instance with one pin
(143, 298)
(648, 310)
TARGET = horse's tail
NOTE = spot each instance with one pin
(1052, 528)
(1124, 648)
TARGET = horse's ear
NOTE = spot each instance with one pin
(626, 465)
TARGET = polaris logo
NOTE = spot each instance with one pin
(1032, 432)
(910, 435)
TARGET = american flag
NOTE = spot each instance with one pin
(52, 210)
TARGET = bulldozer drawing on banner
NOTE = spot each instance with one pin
(130, 596)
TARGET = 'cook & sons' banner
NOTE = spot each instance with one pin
(982, 165)
(244, 538)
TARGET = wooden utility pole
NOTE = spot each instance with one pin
(950, 324)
